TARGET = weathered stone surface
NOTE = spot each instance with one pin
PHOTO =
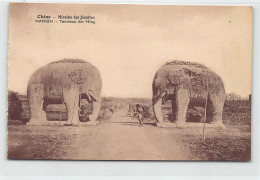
(188, 84)
(64, 82)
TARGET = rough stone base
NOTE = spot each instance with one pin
(62, 123)
(190, 124)
(166, 125)
(89, 123)
(37, 123)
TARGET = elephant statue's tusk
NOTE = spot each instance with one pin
(92, 95)
(159, 97)
(88, 97)
(95, 113)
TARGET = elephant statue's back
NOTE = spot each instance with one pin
(194, 76)
(59, 74)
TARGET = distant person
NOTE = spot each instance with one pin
(139, 111)
(83, 113)
(111, 110)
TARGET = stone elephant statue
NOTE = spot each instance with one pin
(184, 83)
(66, 81)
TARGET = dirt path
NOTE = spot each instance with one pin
(122, 138)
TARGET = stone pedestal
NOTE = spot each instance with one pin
(166, 125)
(190, 124)
(89, 123)
(63, 123)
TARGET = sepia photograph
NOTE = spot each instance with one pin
(129, 82)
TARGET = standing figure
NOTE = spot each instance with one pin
(139, 113)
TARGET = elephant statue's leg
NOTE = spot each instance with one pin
(217, 108)
(71, 99)
(36, 100)
(174, 109)
(182, 102)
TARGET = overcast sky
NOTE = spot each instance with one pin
(129, 43)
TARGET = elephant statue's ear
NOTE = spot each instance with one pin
(187, 73)
(174, 79)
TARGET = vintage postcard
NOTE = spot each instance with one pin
(129, 82)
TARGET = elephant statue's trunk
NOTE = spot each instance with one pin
(157, 107)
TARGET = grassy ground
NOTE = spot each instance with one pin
(38, 142)
(237, 113)
(231, 144)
